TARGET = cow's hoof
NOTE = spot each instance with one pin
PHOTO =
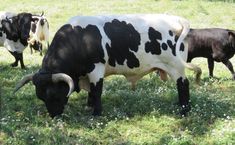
(96, 113)
(185, 110)
(14, 65)
(23, 67)
(234, 77)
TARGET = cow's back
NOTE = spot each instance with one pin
(201, 41)
(132, 44)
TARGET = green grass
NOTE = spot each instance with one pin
(148, 115)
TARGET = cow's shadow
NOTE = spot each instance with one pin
(156, 98)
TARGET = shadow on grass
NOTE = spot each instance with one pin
(156, 98)
(152, 97)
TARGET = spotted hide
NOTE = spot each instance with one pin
(88, 48)
(14, 34)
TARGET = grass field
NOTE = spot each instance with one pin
(148, 115)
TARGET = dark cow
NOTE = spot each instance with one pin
(88, 48)
(214, 44)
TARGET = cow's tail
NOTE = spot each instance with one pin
(185, 29)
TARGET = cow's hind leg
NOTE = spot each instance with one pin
(40, 48)
(229, 65)
(182, 88)
(31, 48)
(183, 92)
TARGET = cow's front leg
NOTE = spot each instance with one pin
(40, 48)
(95, 96)
(90, 100)
(210, 62)
(31, 48)
(183, 92)
(20, 57)
(229, 65)
(14, 64)
(96, 84)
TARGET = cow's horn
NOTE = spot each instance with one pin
(24, 81)
(64, 77)
(42, 13)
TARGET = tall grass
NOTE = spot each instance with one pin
(148, 115)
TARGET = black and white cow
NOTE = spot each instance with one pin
(88, 48)
(14, 33)
(39, 33)
(215, 44)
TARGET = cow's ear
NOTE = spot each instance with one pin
(8, 29)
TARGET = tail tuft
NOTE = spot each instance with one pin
(196, 69)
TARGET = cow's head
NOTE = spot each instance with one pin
(52, 89)
(24, 24)
(17, 26)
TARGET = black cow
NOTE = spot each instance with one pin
(214, 44)
(88, 48)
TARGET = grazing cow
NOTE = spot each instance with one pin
(39, 33)
(14, 32)
(214, 44)
(88, 48)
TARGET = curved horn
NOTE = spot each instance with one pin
(42, 13)
(66, 78)
(26, 79)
